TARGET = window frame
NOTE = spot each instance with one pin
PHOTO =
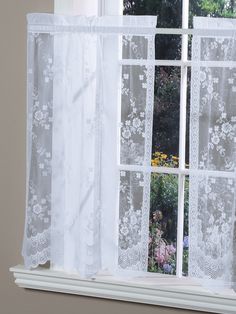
(172, 291)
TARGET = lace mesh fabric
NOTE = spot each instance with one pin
(135, 149)
(84, 213)
(78, 200)
(39, 128)
(213, 148)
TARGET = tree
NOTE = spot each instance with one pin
(164, 187)
(167, 79)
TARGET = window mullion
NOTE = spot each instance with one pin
(108, 7)
(182, 139)
(76, 7)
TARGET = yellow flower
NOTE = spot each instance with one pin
(154, 162)
(175, 158)
(164, 156)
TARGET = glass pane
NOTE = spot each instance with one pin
(132, 214)
(169, 15)
(188, 118)
(168, 12)
(134, 47)
(168, 47)
(186, 232)
(165, 142)
(134, 82)
(131, 202)
(213, 8)
(163, 222)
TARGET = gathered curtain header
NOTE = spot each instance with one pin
(112, 24)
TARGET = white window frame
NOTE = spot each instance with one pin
(156, 289)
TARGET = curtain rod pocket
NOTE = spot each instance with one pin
(37, 28)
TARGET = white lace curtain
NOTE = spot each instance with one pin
(212, 252)
(89, 120)
(90, 110)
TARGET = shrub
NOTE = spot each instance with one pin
(163, 218)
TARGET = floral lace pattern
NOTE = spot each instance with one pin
(211, 248)
(133, 114)
(213, 147)
(36, 248)
(135, 47)
(217, 151)
(130, 223)
(73, 86)
(137, 94)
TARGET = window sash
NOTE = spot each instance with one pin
(106, 7)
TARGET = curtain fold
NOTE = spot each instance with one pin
(87, 116)
(213, 155)
(89, 143)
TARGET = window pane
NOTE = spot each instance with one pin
(169, 15)
(130, 215)
(168, 12)
(134, 47)
(165, 143)
(163, 221)
(188, 118)
(168, 47)
(186, 232)
(134, 122)
(133, 220)
(214, 8)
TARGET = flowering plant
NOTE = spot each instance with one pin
(163, 218)
(162, 160)
(161, 254)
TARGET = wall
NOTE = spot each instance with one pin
(12, 177)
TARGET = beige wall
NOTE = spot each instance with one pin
(12, 177)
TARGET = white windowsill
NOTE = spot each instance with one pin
(171, 292)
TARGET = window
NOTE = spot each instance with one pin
(163, 179)
(169, 235)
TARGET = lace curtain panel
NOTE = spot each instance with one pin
(89, 145)
(88, 118)
(212, 251)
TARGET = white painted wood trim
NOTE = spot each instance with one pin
(111, 7)
(88, 7)
(77, 7)
(173, 292)
(182, 140)
(64, 7)
(163, 291)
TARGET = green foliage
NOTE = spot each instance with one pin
(163, 223)
(164, 203)
(168, 12)
(162, 257)
(162, 254)
(166, 110)
(164, 200)
(220, 8)
(164, 188)
(185, 262)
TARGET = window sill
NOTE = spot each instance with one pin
(171, 292)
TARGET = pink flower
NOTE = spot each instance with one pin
(171, 249)
(162, 254)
